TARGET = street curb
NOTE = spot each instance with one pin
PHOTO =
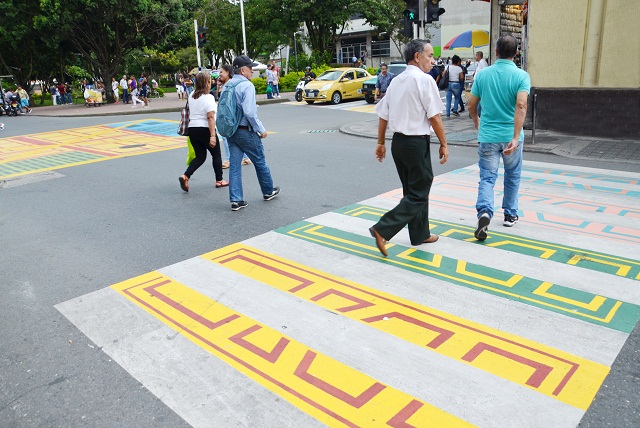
(142, 110)
(345, 129)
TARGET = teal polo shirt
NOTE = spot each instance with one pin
(497, 87)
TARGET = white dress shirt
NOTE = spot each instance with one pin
(412, 98)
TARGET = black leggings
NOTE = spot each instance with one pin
(200, 142)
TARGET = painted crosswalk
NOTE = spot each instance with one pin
(32, 153)
(308, 325)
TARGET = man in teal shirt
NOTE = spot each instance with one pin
(503, 89)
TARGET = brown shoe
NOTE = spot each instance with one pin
(380, 242)
(246, 162)
(431, 239)
(184, 182)
(225, 165)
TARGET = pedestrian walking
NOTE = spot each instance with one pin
(456, 76)
(202, 131)
(503, 90)
(411, 108)
(248, 137)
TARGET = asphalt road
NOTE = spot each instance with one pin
(93, 225)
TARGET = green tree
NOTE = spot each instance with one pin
(105, 31)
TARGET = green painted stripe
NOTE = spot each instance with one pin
(592, 260)
(46, 162)
(599, 310)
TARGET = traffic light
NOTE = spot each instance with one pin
(410, 16)
(433, 10)
(202, 36)
(411, 12)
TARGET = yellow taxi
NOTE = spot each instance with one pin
(336, 84)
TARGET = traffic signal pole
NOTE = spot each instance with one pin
(421, 19)
(195, 33)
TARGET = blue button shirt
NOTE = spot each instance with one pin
(246, 99)
(383, 81)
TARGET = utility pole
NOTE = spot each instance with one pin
(421, 19)
(195, 34)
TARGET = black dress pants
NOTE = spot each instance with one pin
(412, 156)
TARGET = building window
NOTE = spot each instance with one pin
(380, 48)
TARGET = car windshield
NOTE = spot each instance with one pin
(397, 68)
(330, 75)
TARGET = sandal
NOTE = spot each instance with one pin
(222, 183)
(184, 182)
(225, 165)
(246, 162)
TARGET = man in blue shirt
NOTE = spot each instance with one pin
(382, 83)
(247, 138)
(503, 89)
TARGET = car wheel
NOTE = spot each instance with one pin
(309, 101)
(336, 98)
(369, 99)
(298, 96)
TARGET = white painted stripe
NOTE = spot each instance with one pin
(524, 229)
(200, 388)
(590, 281)
(426, 375)
(579, 338)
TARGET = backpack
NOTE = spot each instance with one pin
(229, 114)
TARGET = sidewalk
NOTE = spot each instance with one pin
(459, 130)
(169, 103)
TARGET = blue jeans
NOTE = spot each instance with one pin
(225, 143)
(453, 90)
(489, 160)
(249, 142)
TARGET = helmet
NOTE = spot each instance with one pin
(308, 68)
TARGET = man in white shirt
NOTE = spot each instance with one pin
(411, 109)
(480, 64)
(125, 89)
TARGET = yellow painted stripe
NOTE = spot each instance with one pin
(552, 372)
(330, 391)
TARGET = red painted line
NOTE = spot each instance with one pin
(539, 375)
(357, 402)
(199, 318)
(442, 337)
(400, 419)
(557, 391)
(271, 356)
(248, 366)
(303, 281)
(34, 141)
(360, 304)
(92, 151)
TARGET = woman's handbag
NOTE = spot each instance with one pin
(183, 128)
(444, 80)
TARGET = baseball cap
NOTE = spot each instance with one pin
(243, 61)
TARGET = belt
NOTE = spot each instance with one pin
(243, 127)
(400, 134)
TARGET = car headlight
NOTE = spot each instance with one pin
(325, 87)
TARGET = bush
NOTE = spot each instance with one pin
(288, 83)
(260, 84)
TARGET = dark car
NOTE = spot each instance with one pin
(369, 86)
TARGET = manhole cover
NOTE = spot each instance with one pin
(132, 146)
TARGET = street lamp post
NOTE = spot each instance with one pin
(295, 47)
(150, 64)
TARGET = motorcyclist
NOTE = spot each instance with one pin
(309, 75)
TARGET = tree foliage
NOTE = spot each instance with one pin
(105, 31)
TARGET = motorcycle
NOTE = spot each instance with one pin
(12, 108)
(300, 88)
